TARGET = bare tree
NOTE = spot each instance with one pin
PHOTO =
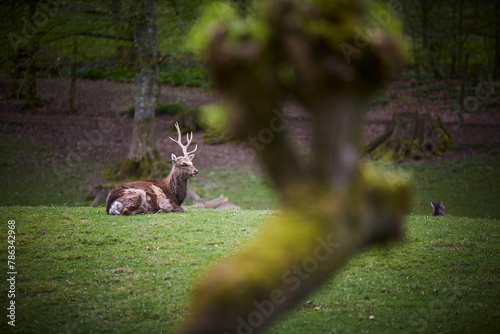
(443, 31)
(143, 159)
(497, 40)
(143, 144)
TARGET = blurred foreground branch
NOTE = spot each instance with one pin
(333, 206)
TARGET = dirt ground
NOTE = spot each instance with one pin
(98, 131)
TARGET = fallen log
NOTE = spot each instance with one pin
(220, 202)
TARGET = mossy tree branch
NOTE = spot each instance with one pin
(333, 206)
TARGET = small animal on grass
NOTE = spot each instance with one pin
(439, 209)
(156, 196)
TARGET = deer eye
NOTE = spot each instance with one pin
(184, 164)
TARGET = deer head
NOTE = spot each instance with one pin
(184, 164)
(438, 209)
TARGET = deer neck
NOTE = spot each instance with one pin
(177, 185)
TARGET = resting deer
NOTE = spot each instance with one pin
(156, 196)
(439, 209)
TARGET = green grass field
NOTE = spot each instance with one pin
(82, 271)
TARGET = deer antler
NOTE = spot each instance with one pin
(179, 141)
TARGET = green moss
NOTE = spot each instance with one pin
(215, 136)
(169, 109)
(189, 120)
(146, 168)
(93, 74)
(411, 136)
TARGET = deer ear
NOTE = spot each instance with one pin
(191, 157)
(432, 204)
(174, 158)
(440, 203)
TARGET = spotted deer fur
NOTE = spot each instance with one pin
(156, 196)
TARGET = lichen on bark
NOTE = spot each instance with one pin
(144, 169)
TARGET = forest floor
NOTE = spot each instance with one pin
(99, 133)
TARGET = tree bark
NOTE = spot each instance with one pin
(417, 60)
(463, 88)
(497, 41)
(410, 136)
(143, 137)
(460, 33)
(30, 93)
(425, 38)
(72, 88)
(453, 62)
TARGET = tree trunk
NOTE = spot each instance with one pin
(496, 73)
(30, 92)
(14, 73)
(143, 159)
(417, 59)
(143, 136)
(463, 88)
(427, 43)
(410, 136)
(425, 39)
(72, 89)
(460, 33)
(453, 63)
(31, 100)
